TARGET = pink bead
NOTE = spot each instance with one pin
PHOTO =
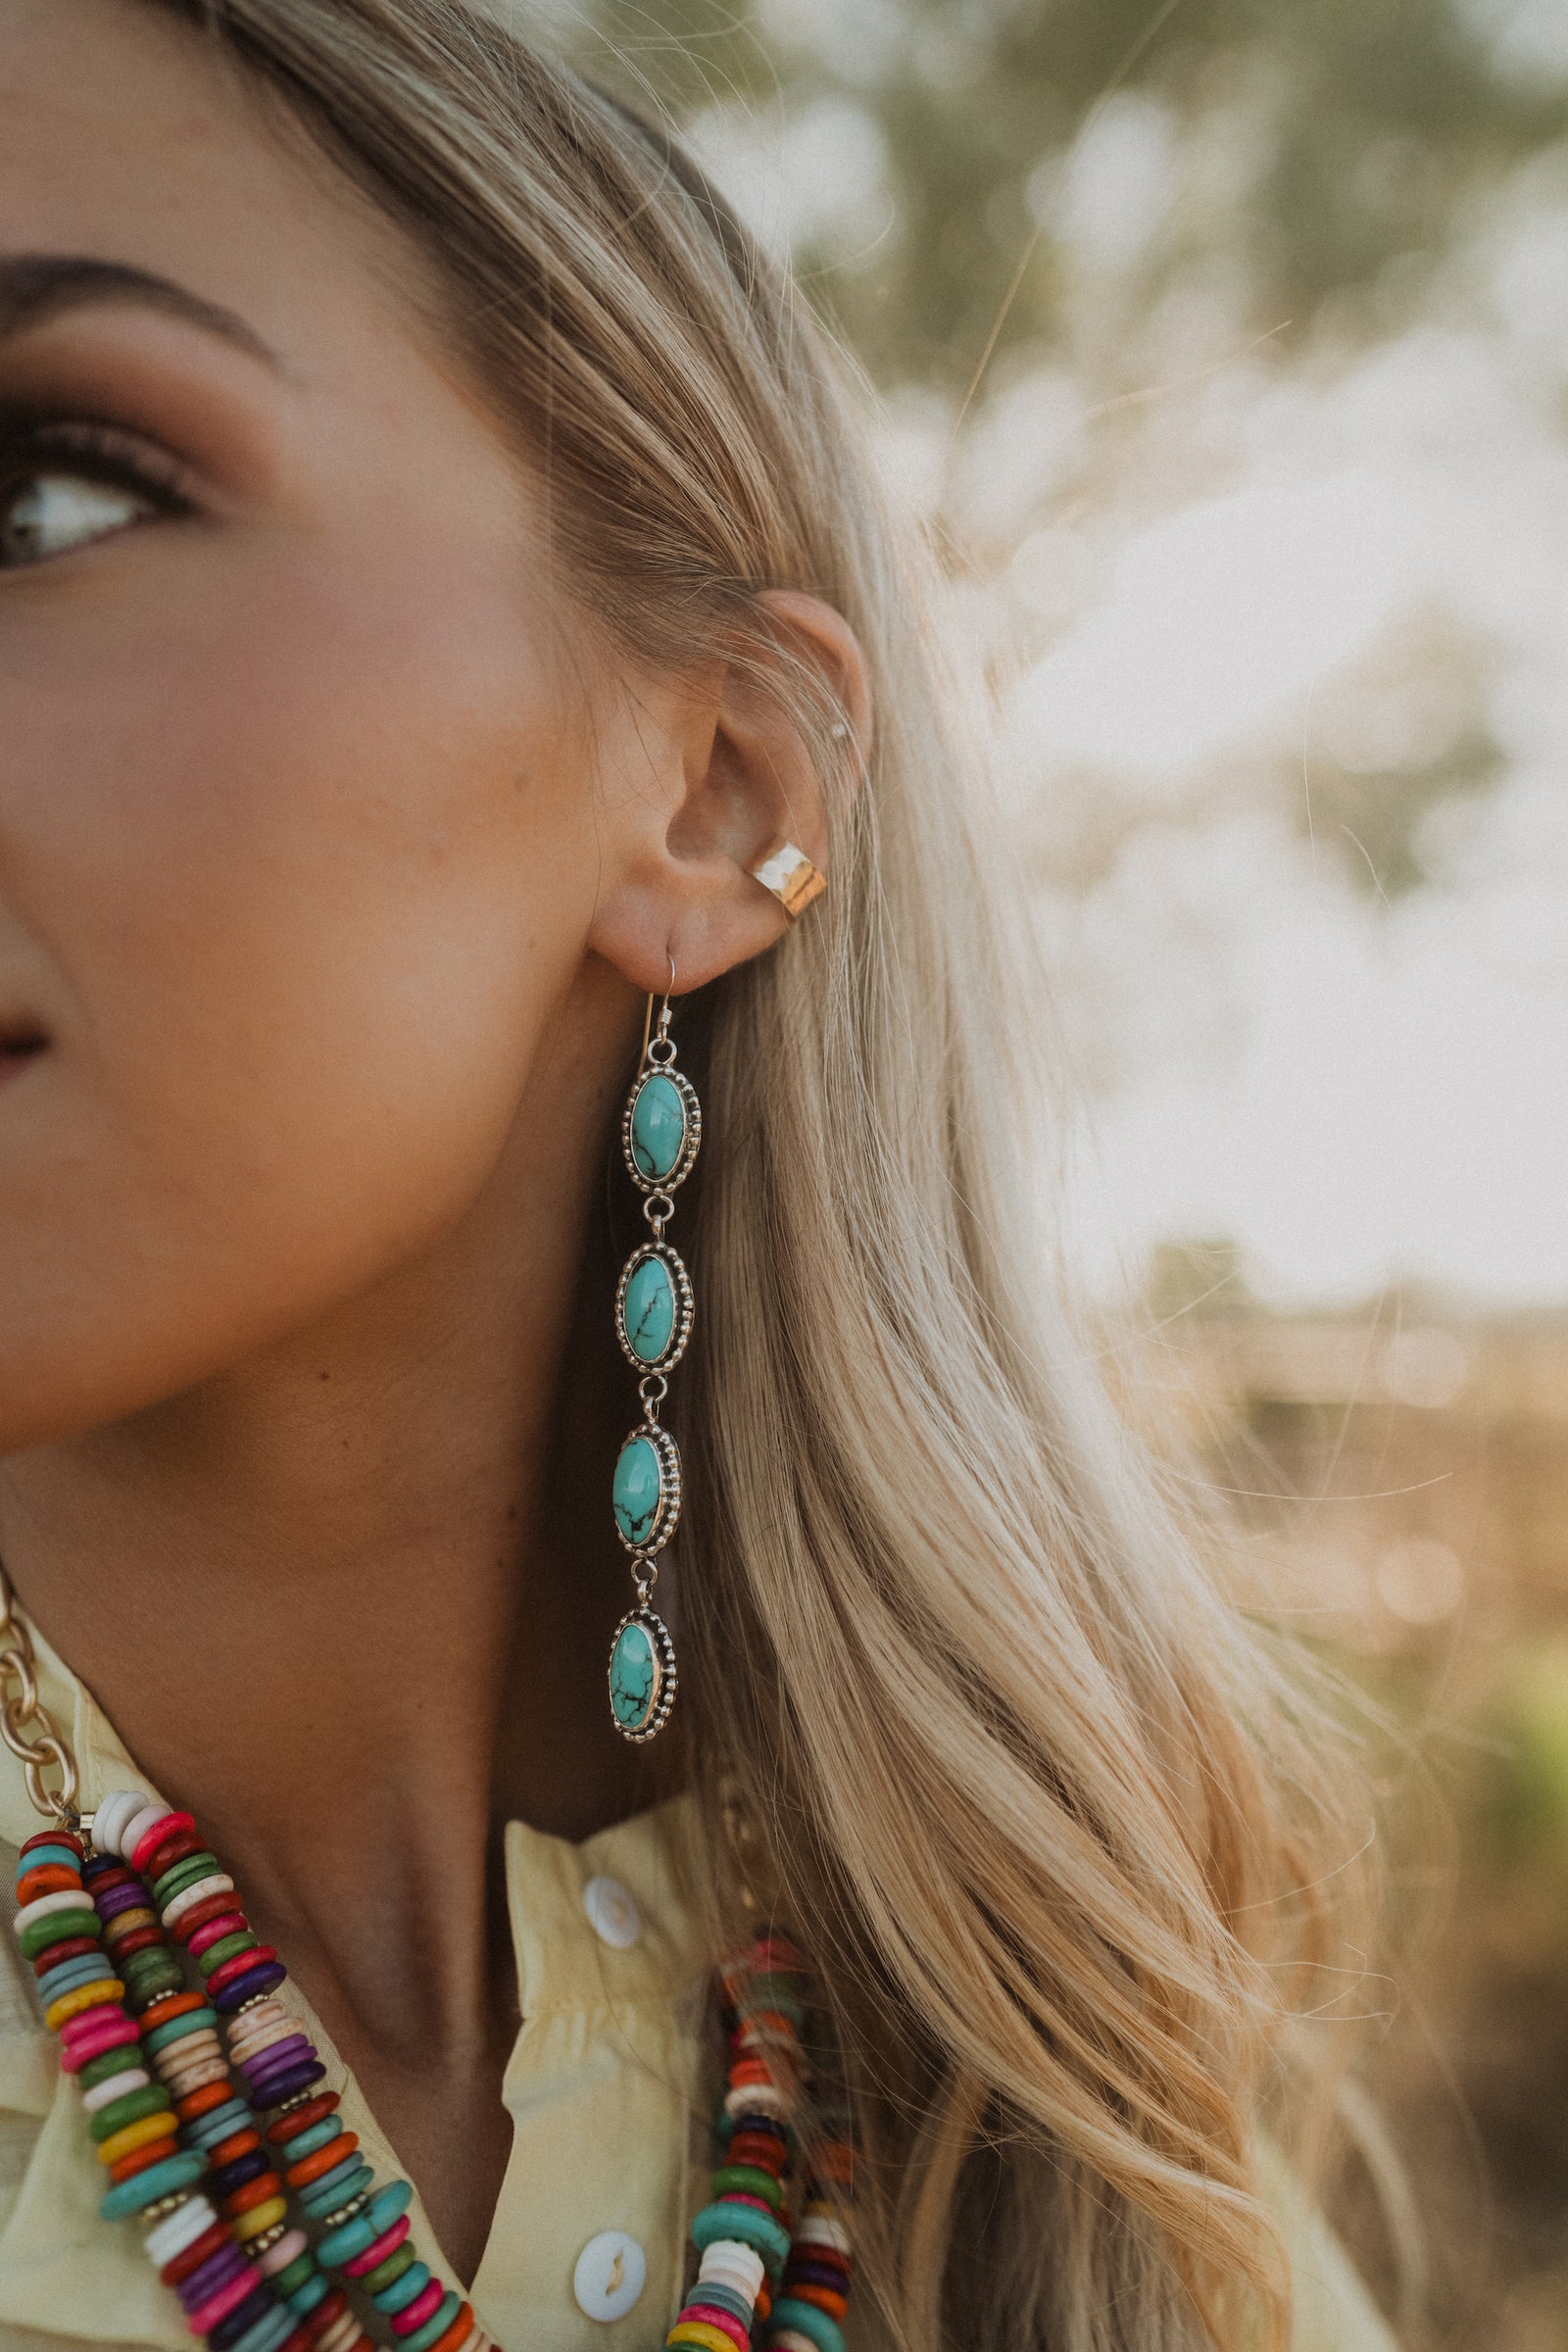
(212, 1931)
(217, 2307)
(382, 2247)
(725, 2321)
(77, 2048)
(427, 2303)
(288, 2248)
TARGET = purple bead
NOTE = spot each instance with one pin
(283, 2086)
(296, 2045)
(240, 1990)
(116, 1899)
(220, 2267)
(240, 2320)
(801, 2271)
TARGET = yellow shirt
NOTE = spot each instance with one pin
(610, 2087)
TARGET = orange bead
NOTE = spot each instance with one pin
(824, 2298)
(310, 2168)
(201, 2101)
(151, 2151)
(254, 2193)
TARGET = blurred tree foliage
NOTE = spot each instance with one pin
(1361, 128)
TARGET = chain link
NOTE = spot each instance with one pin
(20, 1705)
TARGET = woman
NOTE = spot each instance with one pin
(447, 624)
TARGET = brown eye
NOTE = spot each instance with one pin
(50, 513)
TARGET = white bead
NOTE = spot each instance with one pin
(182, 2229)
(610, 2274)
(786, 2340)
(758, 2098)
(612, 1913)
(189, 1896)
(345, 2331)
(113, 1814)
(104, 2094)
(817, 2231)
(137, 1827)
(43, 1906)
(726, 2258)
(292, 2244)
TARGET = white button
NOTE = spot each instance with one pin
(613, 1915)
(611, 2267)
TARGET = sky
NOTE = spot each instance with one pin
(1276, 571)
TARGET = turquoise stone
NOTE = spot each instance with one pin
(658, 1127)
(633, 1677)
(649, 1311)
(637, 1490)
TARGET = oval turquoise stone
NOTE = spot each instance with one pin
(633, 1677)
(658, 1127)
(637, 1490)
(647, 1313)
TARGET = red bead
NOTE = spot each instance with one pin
(325, 2312)
(136, 1939)
(211, 1906)
(194, 2256)
(72, 1949)
(238, 1967)
(299, 2119)
(240, 2143)
(159, 1835)
(252, 2194)
(107, 1880)
(61, 1837)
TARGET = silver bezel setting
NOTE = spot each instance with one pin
(690, 1141)
(685, 1307)
(666, 1517)
(665, 1685)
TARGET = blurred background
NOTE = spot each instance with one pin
(1225, 345)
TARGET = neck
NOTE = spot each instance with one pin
(351, 1601)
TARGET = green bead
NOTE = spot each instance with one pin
(396, 2262)
(185, 1873)
(54, 1927)
(748, 2180)
(648, 1310)
(658, 1127)
(117, 2061)
(225, 1949)
(635, 1674)
(295, 2274)
(637, 1490)
(150, 2099)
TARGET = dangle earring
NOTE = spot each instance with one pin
(660, 1129)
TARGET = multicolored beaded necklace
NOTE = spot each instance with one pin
(258, 2208)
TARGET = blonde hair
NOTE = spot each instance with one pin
(1050, 1818)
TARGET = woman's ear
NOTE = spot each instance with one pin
(732, 770)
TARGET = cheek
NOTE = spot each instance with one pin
(307, 891)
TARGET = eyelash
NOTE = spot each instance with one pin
(99, 453)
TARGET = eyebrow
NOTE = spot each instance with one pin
(35, 286)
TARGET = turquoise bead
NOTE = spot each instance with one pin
(192, 2021)
(316, 2135)
(634, 1675)
(159, 2179)
(334, 2188)
(88, 1968)
(386, 2205)
(748, 2226)
(267, 2333)
(435, 2327)
(637, 1490)
(658, 1127)
(208, 2129)
(403, 2289)
(315, 2289)
(50, 1858)
(805, 2319)
(341, 2244)
(648, 1313)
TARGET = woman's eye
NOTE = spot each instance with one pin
(46, 515)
